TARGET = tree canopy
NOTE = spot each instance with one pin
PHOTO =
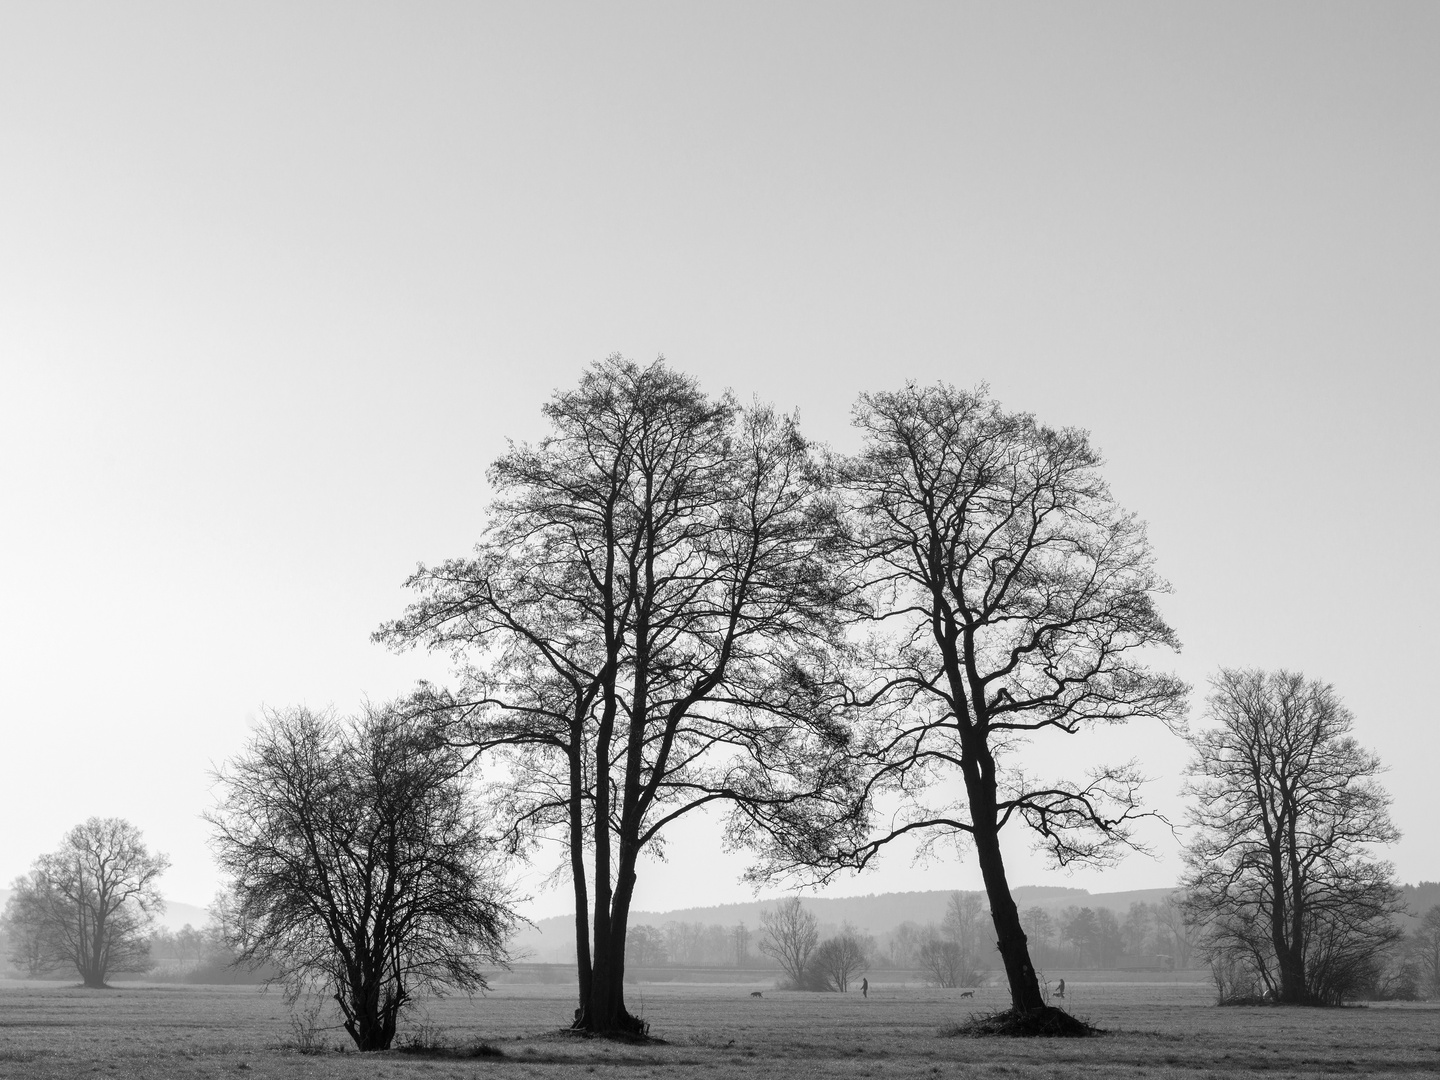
(1014, 600)
(643, 630)
(89, 903)
(1286, 806)
(357, 859)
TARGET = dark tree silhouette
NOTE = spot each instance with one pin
(1013, 598)
(641, 633)
(357, 859)
(1286, 802)
(90, 903)
(840, 960)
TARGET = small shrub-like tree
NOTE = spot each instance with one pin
(942, 961)
(840, 960)
(358, 863)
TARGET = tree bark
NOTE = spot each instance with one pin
(1010, 935)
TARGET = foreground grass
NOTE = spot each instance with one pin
(1161, 1030)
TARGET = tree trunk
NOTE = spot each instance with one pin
(577, 872)
(1010, 936)
(604, 1013)
(979, 771)
(369, 1023)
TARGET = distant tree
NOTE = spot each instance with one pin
(1136, 928)
(646, 945)
(357, 860)
(1109, 938)
(788, 935)
(1285, 806)
(1021, 599)
(88, 904)
(944, 961)
(966, 924)
(1039, 927)
(740, 935)
(716, 946)
(186, 946)
(1083, 932)
(1425, 944)
(904, 943)
(23, 927)
(1179, 934)
(642, 632)
(841, 960)
(966, 920)
(681, 939)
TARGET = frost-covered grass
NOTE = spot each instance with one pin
(1156, 1029)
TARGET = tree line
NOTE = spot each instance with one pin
(680, 604)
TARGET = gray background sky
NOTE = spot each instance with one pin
(277, 281)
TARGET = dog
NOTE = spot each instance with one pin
(756, 993)
(968, 993)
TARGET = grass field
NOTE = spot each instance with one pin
(1161, 1029)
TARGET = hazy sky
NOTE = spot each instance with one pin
(278, 281)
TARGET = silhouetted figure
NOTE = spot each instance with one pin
(1060, 990)
(865, 988)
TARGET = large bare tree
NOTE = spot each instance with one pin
(1286, 805)
(89, 903)
(1014, 601)
(356, 859)
(641, 632)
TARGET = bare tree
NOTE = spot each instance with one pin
(1180, 933)
(645, 944)
(1425, 944)
(23, 927)
(1286, 802)
(357, 861)
(788, 936)
(88, 904)
(740, 938)
(965, 923)
(904, 943)
(1039, 928)
(943, 961)
(642, 632)
(840, 960)
(1137, 928)
(1018, 598)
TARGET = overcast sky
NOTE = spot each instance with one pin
(278, 281)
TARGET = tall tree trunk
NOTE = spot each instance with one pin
(577, 872)
(369, 1026)
(605, 1011)
(979, 771)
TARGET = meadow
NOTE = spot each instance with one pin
(1155, 1029)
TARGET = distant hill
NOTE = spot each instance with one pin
(552, 939)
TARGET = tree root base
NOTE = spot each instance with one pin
(1047, 1022)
